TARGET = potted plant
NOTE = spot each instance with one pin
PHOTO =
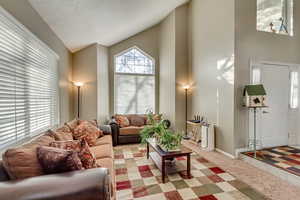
(159, 130)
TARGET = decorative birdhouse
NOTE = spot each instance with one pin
(254, 96)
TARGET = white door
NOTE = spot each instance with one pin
(274, 119)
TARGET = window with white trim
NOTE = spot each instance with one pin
(134, 83)
(275, 16)
(29, 94)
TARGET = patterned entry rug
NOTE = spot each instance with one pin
(284, 157)
(139, 178)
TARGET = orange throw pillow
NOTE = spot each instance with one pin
(87, 131)
(86, 156)
(122, 121)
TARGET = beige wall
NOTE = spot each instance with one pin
(85, 70)
(148, 42)
(24, 13)
(167, 83)
(173, 55)
(212, 67)
(182, 63)
(103, 84)
(257, 46)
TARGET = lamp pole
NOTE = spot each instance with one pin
(186, 88)
(78, 85)
(78, 102)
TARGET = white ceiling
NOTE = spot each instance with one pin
(79, 23)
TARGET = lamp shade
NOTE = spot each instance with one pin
(78, 84)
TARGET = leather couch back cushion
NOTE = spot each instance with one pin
(137, 120)
(22, 162)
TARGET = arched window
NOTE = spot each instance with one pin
(134, 82)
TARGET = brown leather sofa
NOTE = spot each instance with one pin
(128, 134)
(89, 184)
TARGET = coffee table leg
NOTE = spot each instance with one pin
(188, 164)
(163, 169)
(147, 150)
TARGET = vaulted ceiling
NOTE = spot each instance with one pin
(79, 23)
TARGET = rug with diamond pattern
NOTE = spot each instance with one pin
(138, 178)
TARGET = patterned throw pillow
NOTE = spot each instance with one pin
(86, 156)
(54, 160)
(122, 120)
(67, 145)
(73, 162)
(87, 131)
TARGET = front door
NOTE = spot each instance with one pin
(274, 119)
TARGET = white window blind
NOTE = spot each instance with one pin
(29, 95)
(134, 82)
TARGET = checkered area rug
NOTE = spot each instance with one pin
(138, 178)
(284, 157)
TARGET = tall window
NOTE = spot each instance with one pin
(134, 82)
(29, 100)
(275, 16)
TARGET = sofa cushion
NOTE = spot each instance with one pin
(43, 140)
(106, 139)
(22, 162)
(137, 120)
(122, 120)
(131, 130)
(74, 145)
(86, 156)
(103, 151)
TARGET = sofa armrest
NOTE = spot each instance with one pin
(90, 184)
(115, 129)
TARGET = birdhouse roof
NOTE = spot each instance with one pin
(254, 90)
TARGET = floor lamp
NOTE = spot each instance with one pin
(186, 88)
(78, 85)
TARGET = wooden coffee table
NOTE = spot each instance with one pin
(160, 156)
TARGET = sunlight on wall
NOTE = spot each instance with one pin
(225, 68)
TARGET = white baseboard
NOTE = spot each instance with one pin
(225, 153)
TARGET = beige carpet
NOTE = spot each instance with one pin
(264, 182)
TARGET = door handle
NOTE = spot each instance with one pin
(265, 112)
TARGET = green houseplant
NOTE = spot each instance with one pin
(158, 129)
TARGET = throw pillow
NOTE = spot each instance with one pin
(137, 120)
(87, 131)
(122, 121)
(60, 135)
(73, 162)
(72, 124)
(67, 145)
(53, 159)
(86, 156)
